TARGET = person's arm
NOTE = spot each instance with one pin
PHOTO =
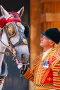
(29, 75)
(26, 71)
(56, 73)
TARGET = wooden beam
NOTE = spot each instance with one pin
(45, 1)
(50, 17)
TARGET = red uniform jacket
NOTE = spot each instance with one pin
(46, 73)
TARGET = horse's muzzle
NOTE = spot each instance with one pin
(22, 54)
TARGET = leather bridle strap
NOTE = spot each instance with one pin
(3, 44)
(5, 52)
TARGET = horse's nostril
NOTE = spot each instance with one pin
(22, 56)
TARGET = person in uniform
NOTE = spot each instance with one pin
(46, 71)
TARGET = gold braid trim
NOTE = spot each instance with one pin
(29, 75)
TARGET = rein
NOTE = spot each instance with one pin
(7, 53)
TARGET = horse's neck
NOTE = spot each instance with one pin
(2, 49)
(4, 39)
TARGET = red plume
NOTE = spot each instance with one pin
(2, 22)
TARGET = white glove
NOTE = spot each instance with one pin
(19, 65)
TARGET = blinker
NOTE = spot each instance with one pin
(11, 30)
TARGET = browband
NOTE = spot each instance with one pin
(10, 19)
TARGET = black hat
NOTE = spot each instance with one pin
(53, 34)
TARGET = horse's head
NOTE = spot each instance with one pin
(15, 33)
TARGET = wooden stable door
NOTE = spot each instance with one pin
(44, 14)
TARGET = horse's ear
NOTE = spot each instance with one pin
(4, 12)
(21, 11)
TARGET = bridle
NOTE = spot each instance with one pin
(22, 41)
(13, 51)
(5, 46)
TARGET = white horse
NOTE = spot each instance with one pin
(14, 39)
